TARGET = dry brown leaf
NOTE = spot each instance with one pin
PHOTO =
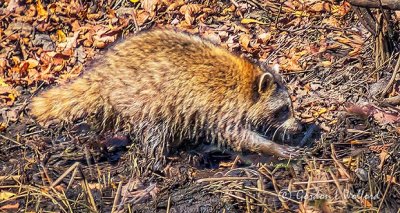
(391, 179)
(326, 63)
(189, 11)
(5, 195)
(265, 37)
(381, 116)
(244, 41)
(61, 37)
(382, 157)
(3, 125)
(10, 207)
(290, 65)
(97, 186)
(228, 10)
(397, 14)
(59, 188)
(331, 21)
(341, 10)
(150, 6)
(40, 10)
(12, 5)
(175, 5)
(32, 63)
(142, 16)
(365, 202)
(320, 7)
(251, 21)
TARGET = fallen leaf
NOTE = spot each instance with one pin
(5, 195)
(189, 11)
(301, 14)
(368, 110)
(366, 202)
(320, 7)
(326, 63)
(191, 8)
(265, 37)
(61, 36)
(141, 17)
(150, 6)
(12, 5)
(175, 5)
(320, 112)
(391, 179)
(32, 63)
(251, 21)
(40, 10)
(290, 64)
(3, 126)
(60, 188)
(244, 40)
(10, 207)
(97, 186)
(382, 157)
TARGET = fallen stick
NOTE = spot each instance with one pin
(385, 4)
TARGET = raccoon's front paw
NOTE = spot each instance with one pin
(288, 152)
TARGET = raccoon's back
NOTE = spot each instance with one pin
(158, 75)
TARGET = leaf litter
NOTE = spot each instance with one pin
(324, 53)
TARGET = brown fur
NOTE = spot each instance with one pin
(169, 86)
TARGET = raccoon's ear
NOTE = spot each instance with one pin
(265, 82)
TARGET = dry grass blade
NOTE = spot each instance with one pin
(86, 188)
(393, 78)
(224, 179)
(10, 177)
(387, 188)
(117, 198)
(69, 170)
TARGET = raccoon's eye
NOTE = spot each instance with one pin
(282, 113)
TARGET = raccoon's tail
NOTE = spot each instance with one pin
(70, 102)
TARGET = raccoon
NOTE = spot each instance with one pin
(168, 87)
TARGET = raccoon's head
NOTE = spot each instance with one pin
(272, 104)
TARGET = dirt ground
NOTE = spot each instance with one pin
(343, 80)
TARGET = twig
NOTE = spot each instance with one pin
(69, 170)
(336, 180)
(10, 177)
(387, 188)
(321, 181)
(12, 140)
(235, 3)
(333, 155)
(305, 203)
(224, 179)
(277, 189)
(169, 204)
(395, 72)
(86, 187)
(383, 4)
(392, 100)
(117, 197)
(72, 178)
(135, 21)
